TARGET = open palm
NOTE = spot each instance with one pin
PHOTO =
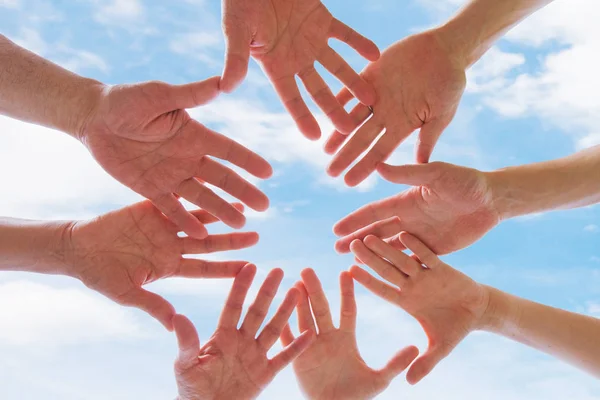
(287, 37)
(118, 253)
(332, 368)
(449, 207)
(448, 304)
(233, 363)
(411, 94)
(142, 135)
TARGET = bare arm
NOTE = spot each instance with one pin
(568, 336)
(36, 90)
(471, 32)
(569, 182)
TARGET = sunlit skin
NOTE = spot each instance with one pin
(411, 94)
(142, 135)
(448, 207)
(332, 368)
(287, 38)
(118, 253)
(448, 304)
(233, 363)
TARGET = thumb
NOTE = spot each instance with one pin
(411, 174)
(237, 56)
(399, 362)
(425, 364)
(193, 94)
(187, 340)
(428, 136)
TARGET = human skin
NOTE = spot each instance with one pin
(141, 134)
(449, 306)
(118, 253)
(287, 38)
(412, 94)
(450, 207)
(331, 368)
(233, 363)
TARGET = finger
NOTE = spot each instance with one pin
(198, 194)
(206, 218)
(305, 317)
(414, 175)
(399, 363)
(344, 96)
(193, 94)
(286, 337)
(187, 340)
(324, 98)
(356, 145)
(359, 114)
(260, 308)
(348, 304)
(194, 268)
(230, 316)
(380, 152)
(222, 147)
(427, 257)
(318, 300)
(271, 332)
(170, 206)
(231, 182)
(288, 92)
(289, 354)
(366, 215)
(396, 243)
(339, 68)
(237, 55)
(375, 286)
(358, 42)
(383, 268)
(428, 136)
(426, 363)
(153, 304)
(382, 229)
(217, 243)
(400, 260)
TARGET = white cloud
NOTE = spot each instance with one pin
(10, 3)
(113, 11)
(592, 228)
(39, 314)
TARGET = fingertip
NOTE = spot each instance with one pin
(341, 247)
(307, 273)
(356, 243)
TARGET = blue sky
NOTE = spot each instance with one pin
(530, 99)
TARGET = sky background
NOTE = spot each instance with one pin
(533, 97)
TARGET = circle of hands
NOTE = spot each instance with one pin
(143, 136)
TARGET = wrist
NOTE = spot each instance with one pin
(92, 93)
(455, 39)
(500, 312)
(504, 197)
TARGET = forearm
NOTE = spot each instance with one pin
(568, 182)
(33, 246)
(470, 33)
(568, 336)
(36, 90)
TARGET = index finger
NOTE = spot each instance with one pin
(366, 215)
(220, 146)
(230, 316)
(318, 300)
(288, 92)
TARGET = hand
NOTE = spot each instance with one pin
(233, 363)
(142, 136)
(287, 37)
(448, 304)
(332, 368)
(448, 208)
(419, 85)
(117, 253)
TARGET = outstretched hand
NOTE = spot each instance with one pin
(142, 135)
(118, 253)
(419, 86)
(332, 368)
(448, 304)
(287, 37)
(233, 363)
(449, 207)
